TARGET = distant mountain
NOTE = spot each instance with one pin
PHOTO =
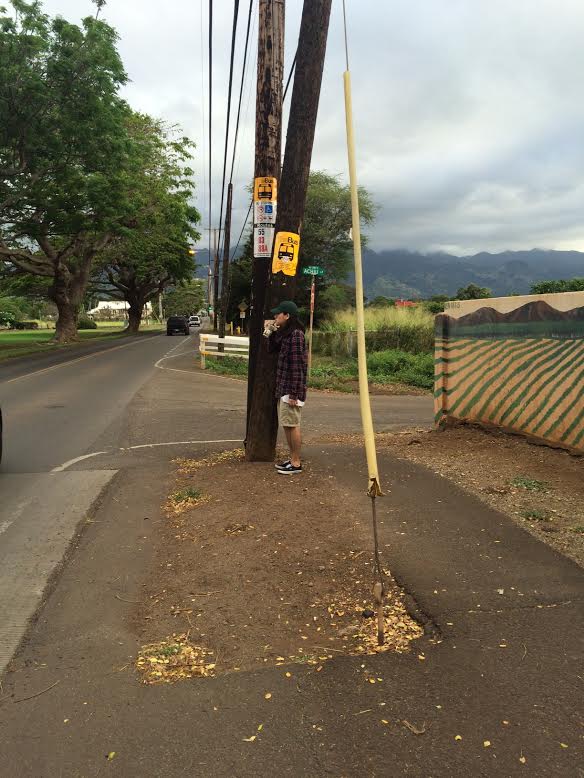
(403, 273)
(411, 274)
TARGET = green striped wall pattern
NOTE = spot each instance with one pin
(493, 366)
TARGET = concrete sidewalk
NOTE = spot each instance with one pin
(500, 695)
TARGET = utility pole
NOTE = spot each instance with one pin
(262, 427)
(268, 155)
(209, 277)
(215, 278)
(225, 277)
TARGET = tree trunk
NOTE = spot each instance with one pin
(61, 294)
(134, 317)
(66, 328)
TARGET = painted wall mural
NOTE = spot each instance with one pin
(515, 363)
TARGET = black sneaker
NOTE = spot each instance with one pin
(282, 465)
(290, 469)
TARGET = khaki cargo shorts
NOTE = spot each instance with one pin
(289, 415)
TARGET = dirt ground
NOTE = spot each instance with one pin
(239, 583)
(539, 487)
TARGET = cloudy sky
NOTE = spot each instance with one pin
(469, 114)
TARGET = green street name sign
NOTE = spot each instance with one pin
(312, 270)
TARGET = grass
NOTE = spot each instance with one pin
(380, 319)
(22, 343)
(535, 515)
(232, 366)
(190, 493)
(341, 373)
(530, 484)
(405, 329)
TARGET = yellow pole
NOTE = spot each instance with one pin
(374, 488)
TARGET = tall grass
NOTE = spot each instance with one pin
(406, 329)
(380, 319)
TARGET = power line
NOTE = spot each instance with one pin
(242, 231)
(210, 113)
(203, 123)
(241, 88)
(249, 90)
(290, 75)
(232, 57)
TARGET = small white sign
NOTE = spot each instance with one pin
(264, 213)
(263, 239)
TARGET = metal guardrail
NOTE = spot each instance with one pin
(233, 346)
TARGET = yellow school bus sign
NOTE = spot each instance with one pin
(286, 250)
(265, 189)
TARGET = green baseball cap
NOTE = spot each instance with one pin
(286, 306)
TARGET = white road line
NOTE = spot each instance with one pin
(73, 361)
(178, 443)
(169, 353)
(66, 465)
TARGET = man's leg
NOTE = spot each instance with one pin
(294, 444)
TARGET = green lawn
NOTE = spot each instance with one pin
(19, 343)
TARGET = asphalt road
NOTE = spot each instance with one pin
(54, 413)
(71, 424)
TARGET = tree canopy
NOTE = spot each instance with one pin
(78, 169)
(140, 262)
(185, 299)
(561, 285)
(473, 292)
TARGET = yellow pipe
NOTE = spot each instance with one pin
(366, 418)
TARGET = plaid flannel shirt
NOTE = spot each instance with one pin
(292, 367)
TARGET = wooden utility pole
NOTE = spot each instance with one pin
(268, 153)
(225, 276)
(215, 278)
(262, 428)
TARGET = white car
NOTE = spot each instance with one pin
(194, 321)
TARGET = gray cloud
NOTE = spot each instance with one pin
(468, 115)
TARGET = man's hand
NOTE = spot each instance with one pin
(292, 401)
(269, 323)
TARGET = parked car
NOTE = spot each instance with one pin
(194, 321)
(178, 324)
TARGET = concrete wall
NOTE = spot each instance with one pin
(516, 363)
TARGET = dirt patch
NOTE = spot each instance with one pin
(539, 487)
(270, 570)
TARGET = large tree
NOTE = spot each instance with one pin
(68, 161)
(141, 262)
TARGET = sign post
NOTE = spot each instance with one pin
(314, 271)
(265, 203)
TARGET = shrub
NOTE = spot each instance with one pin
(85, 323)
(400, 366)
(227, 365)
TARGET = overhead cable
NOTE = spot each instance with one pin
(241, 89)
(232, 57)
